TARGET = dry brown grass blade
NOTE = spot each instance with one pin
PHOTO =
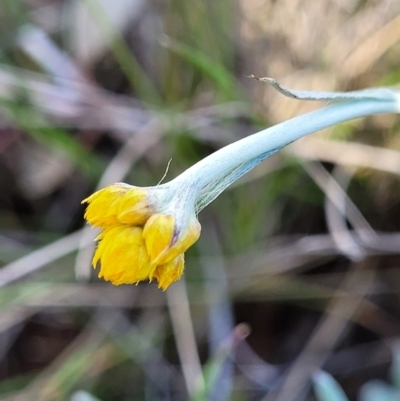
(343, 209)
(371, 49)
(40, 258)
(182, 325)
(348, 154)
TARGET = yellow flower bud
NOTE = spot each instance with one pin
(134, 207)
(123, 255)
(103, 205)
(165, 240)
(138, 240)
(168, 273)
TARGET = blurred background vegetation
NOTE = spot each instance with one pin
(296, 269)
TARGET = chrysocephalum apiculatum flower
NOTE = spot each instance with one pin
(144, 232)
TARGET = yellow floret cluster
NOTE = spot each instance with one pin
(137, 242)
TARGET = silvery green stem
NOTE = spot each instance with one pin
(213, 174)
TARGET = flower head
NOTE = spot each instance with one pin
(145, 231)
(143, 235)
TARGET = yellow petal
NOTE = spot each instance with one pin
(103, 206)
(168, 273)
(134, 207)
(123, 256)
(165, 241)
(158, 232)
